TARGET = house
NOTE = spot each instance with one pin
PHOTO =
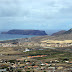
(42, 64)
(26, 50)
(29, 57)
(35, 67)
(66, 61)
(27, 62)
(42, 68)
(70, 62)
(47, 64)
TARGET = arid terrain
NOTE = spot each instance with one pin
(37, 54)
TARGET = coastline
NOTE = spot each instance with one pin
(8, 37)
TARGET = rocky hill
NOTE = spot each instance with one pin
(62, 32)
(68, 32)
(25, 32)
(59, 33)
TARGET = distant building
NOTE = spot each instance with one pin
(26, 50)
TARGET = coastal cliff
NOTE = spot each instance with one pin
(25, 32)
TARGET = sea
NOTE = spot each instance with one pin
(12, 36)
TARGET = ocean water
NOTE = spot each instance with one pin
(12, 36)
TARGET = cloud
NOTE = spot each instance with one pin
(10, 8)
(41, 12)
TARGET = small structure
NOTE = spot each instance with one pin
(26, 50)
(42, 64)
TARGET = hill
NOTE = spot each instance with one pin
(62, 32)
(59, 33)
(68, 32)
(25, 32)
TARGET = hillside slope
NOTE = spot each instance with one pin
(59, 33)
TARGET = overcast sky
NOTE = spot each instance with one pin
(35, 14)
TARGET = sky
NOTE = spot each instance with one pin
(36, 14)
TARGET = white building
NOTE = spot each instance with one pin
(26, 50)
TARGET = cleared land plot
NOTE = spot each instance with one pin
(57, 41)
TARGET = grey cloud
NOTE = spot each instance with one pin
(32, 8)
